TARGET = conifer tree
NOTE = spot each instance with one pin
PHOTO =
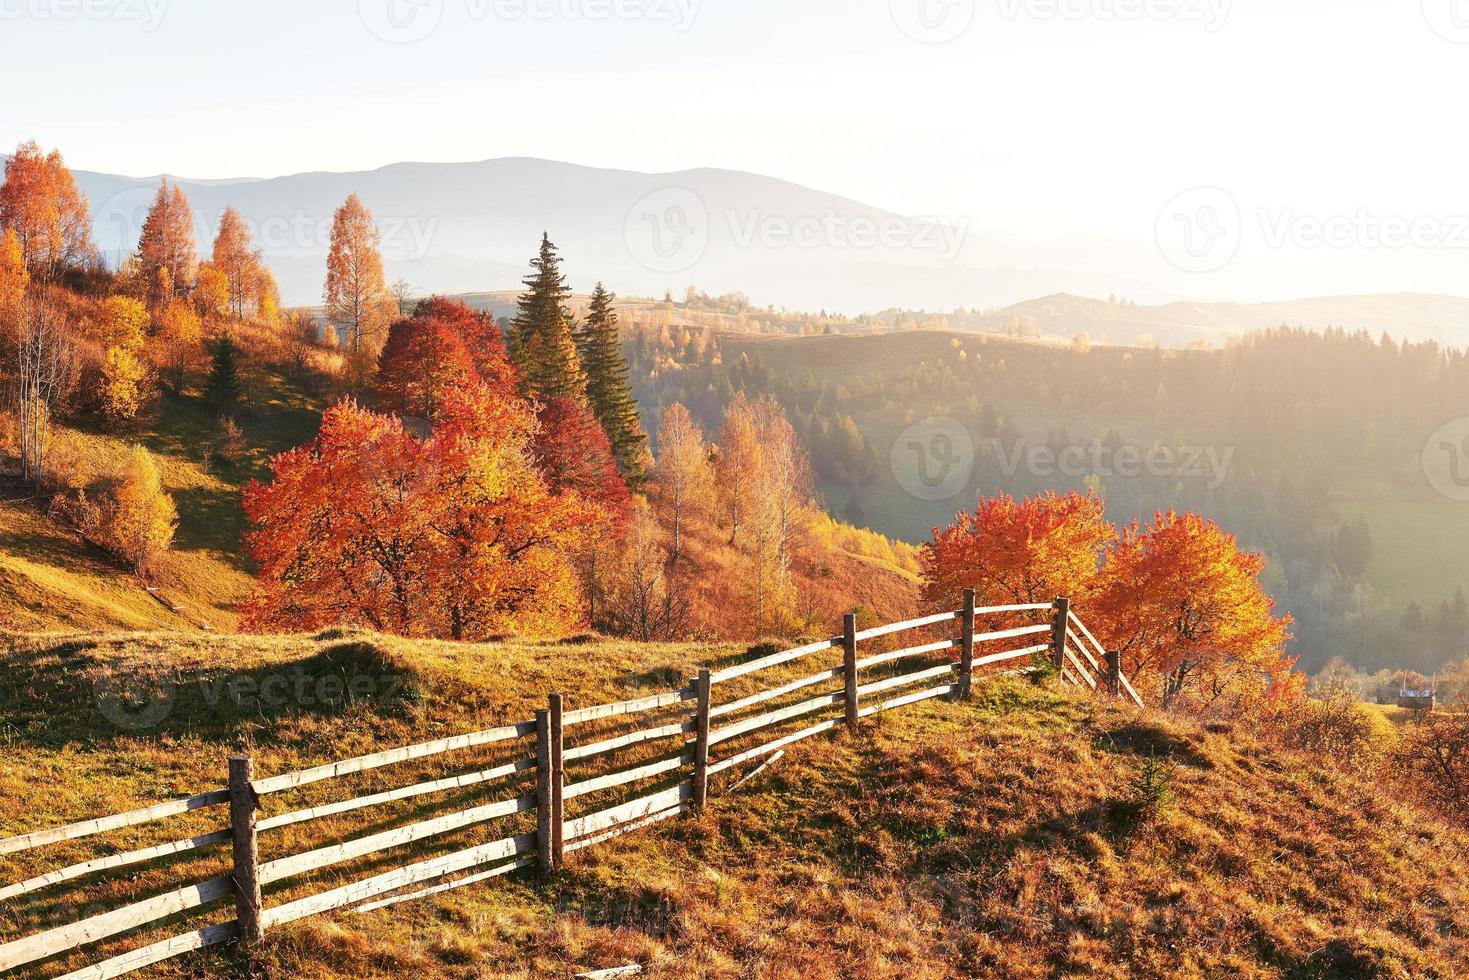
(541, 340)
(599, 344)
(222, 391)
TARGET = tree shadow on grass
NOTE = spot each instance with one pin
(211, 520)
(69, 694)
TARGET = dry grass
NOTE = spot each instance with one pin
(999, 838)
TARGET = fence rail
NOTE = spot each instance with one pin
(1075, 653)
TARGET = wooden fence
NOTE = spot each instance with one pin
(540, 750)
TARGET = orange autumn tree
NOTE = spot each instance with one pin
(1018, 552)
(456, 535)
(40, 203)
(166, 245)
(1184, 606)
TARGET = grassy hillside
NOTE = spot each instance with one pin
(51, 579)
(999, 838)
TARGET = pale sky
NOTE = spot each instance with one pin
(1041, 117)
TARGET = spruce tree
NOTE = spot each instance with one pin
(222, 391)
(541, 339)
(609, 390)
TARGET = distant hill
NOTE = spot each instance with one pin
(465, 227)
(1411, 316)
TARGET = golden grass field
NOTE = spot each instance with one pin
(994, 838)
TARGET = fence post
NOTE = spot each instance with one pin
(558, 782)
(1058, 633)
(1114, 673)
(702, 688)
(548, 796)
(849, 667)
(966, 647)
(244, 806)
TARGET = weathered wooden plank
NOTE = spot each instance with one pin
(114, 861)
(1076, 621)
(1022, 607)
(627, 828)
(996, 658)
(775, 659)
(473, 879)
(774, 746)
(293, 780)
(583, 715)
(615, 779)
(936, 692)
(720, 711)
(1067, 676)
(137, 959)
(1011, 634)
(912, 624)
(634, 810)
(1127, 685)
(324, 857)
(390, 881)
(99, 825)
(904, 680)
(904, 654)
(1085, 652)
(394, 795)
(758, 770)
(771, 718)
(1080, 670)
(632, 738)
(43, 944)
(615, 973)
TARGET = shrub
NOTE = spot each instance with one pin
(143, 519)
(1434, 754)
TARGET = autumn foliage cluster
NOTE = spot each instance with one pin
(1177, 598)
(454, 535)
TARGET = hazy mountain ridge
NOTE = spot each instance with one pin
(471, 227)
(1404, 316)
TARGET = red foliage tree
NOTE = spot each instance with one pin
(1185, 607)
(443, 345)
(575, 455)
(454, 536)
(1018, 551)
